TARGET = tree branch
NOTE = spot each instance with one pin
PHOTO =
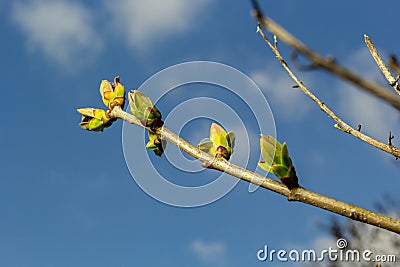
(341, 125)
(297, 194)
(388, 75)
(325, 63)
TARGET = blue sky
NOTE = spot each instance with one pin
(67, 197)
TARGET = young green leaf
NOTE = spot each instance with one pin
(218, 135)
(265, 165)
(112, 93)
(205, 146)
(94, 119)
(220, 144)
(156, 144)
(286, 161)
(279, 170)
(231, 139)
(277, 160)
(267, 149)
(144, 110)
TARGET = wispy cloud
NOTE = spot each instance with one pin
(145, 21)
(213, 253)
(68, 31)
(62, 30)
(376, 117)
(276, 85)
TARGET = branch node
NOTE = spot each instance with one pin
(395, 81)
(359, 127)
(293, 194)
(343, 128)
(330, 59)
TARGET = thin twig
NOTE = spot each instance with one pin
(394, 64)
(341, 125)
(298, 194)
(375, 54)
(390, 138)
(325, 63)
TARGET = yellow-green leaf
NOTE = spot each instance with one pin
(205, 146)
(218, 135)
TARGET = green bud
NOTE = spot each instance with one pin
(94, 119)
(277, 161)
(144, 110)
(112, 93)
(156, 144)
(218, 135)
(221, 143)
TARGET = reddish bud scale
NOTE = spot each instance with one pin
(222, 152)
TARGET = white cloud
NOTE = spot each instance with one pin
(213, 253)
(62, 30)
(376, 117)
(276, 84)
(145, 21)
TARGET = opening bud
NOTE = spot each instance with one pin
(221, 143)
(94, 119)
(144, 110)
(277, 161)
(112, 93)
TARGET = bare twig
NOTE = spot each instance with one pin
(390, 138)
(297, 194)
(325, 62)
(341, 125)
(388, 75)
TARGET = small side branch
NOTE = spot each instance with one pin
(341, 125)
(375, 54)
